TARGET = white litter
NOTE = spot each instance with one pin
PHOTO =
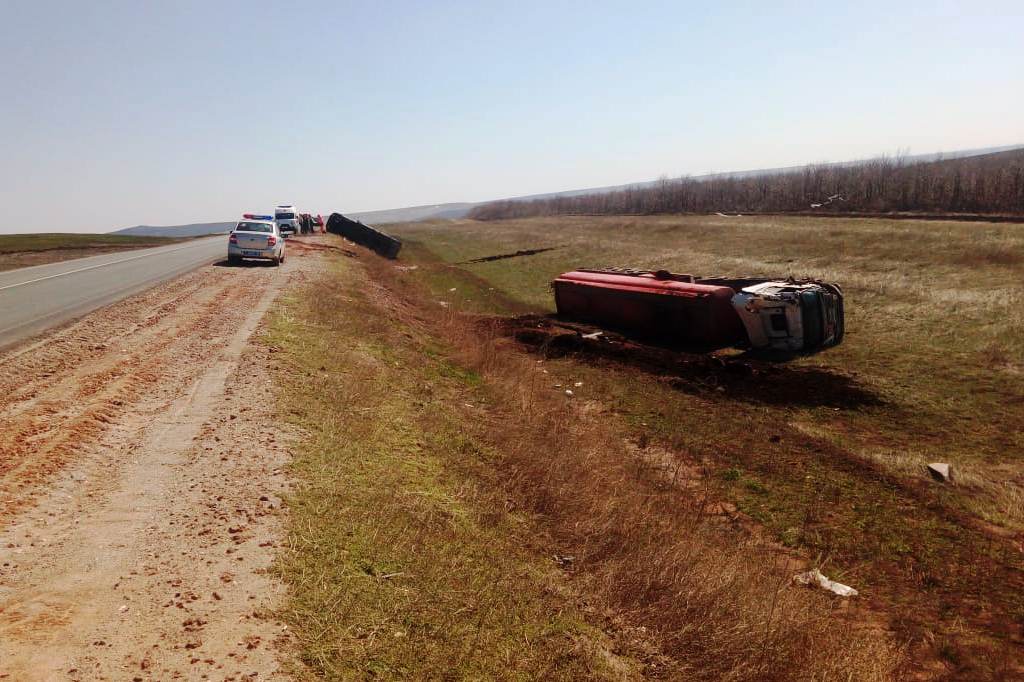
(815, 577)
(941, 471)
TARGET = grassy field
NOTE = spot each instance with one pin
(826, 453)
(401, 565)
(455, 518)
(23, 250)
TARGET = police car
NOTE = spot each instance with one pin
(256, 236)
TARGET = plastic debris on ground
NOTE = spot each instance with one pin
(815, 577)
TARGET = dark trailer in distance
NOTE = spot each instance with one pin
(364, 235)
(682, 311)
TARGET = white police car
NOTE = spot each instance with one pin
(256, 236)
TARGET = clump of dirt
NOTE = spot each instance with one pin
(303, 245)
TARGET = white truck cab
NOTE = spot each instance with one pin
(287, 219)
(791, 315)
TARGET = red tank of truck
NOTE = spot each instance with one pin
(655, 305)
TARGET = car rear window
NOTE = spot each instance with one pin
(254, 227)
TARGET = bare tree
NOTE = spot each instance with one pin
(989, 184)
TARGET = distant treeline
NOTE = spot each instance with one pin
(986, 184)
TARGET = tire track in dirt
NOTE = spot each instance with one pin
(140, 477)
(88, 338)
(43, 433)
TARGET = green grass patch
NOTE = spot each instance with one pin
(47, 241)
(25, 250)
(401, 566)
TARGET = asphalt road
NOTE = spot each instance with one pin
(37, 298)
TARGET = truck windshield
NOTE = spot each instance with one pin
(284, 216)
(254, 227)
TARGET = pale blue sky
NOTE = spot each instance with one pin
(142, 112)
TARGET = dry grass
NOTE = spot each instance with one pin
(935, 311)
(717, 601)
(398, 567)
(828, 452)
(439, 475)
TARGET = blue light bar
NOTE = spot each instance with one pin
(250, 216)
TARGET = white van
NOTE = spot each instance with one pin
(287, 219)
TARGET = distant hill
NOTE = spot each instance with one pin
(967, 185)
(192, 230)
(456, 210)
(414, 213)
(463, 209)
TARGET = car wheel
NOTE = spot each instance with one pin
(234, 260)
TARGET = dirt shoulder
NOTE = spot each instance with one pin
(141, 473)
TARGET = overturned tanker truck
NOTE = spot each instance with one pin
(788, 316)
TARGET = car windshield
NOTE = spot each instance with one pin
(285, 216)
(254, 227)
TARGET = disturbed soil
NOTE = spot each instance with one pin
(141, 479)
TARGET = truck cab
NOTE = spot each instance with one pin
(791, 316)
